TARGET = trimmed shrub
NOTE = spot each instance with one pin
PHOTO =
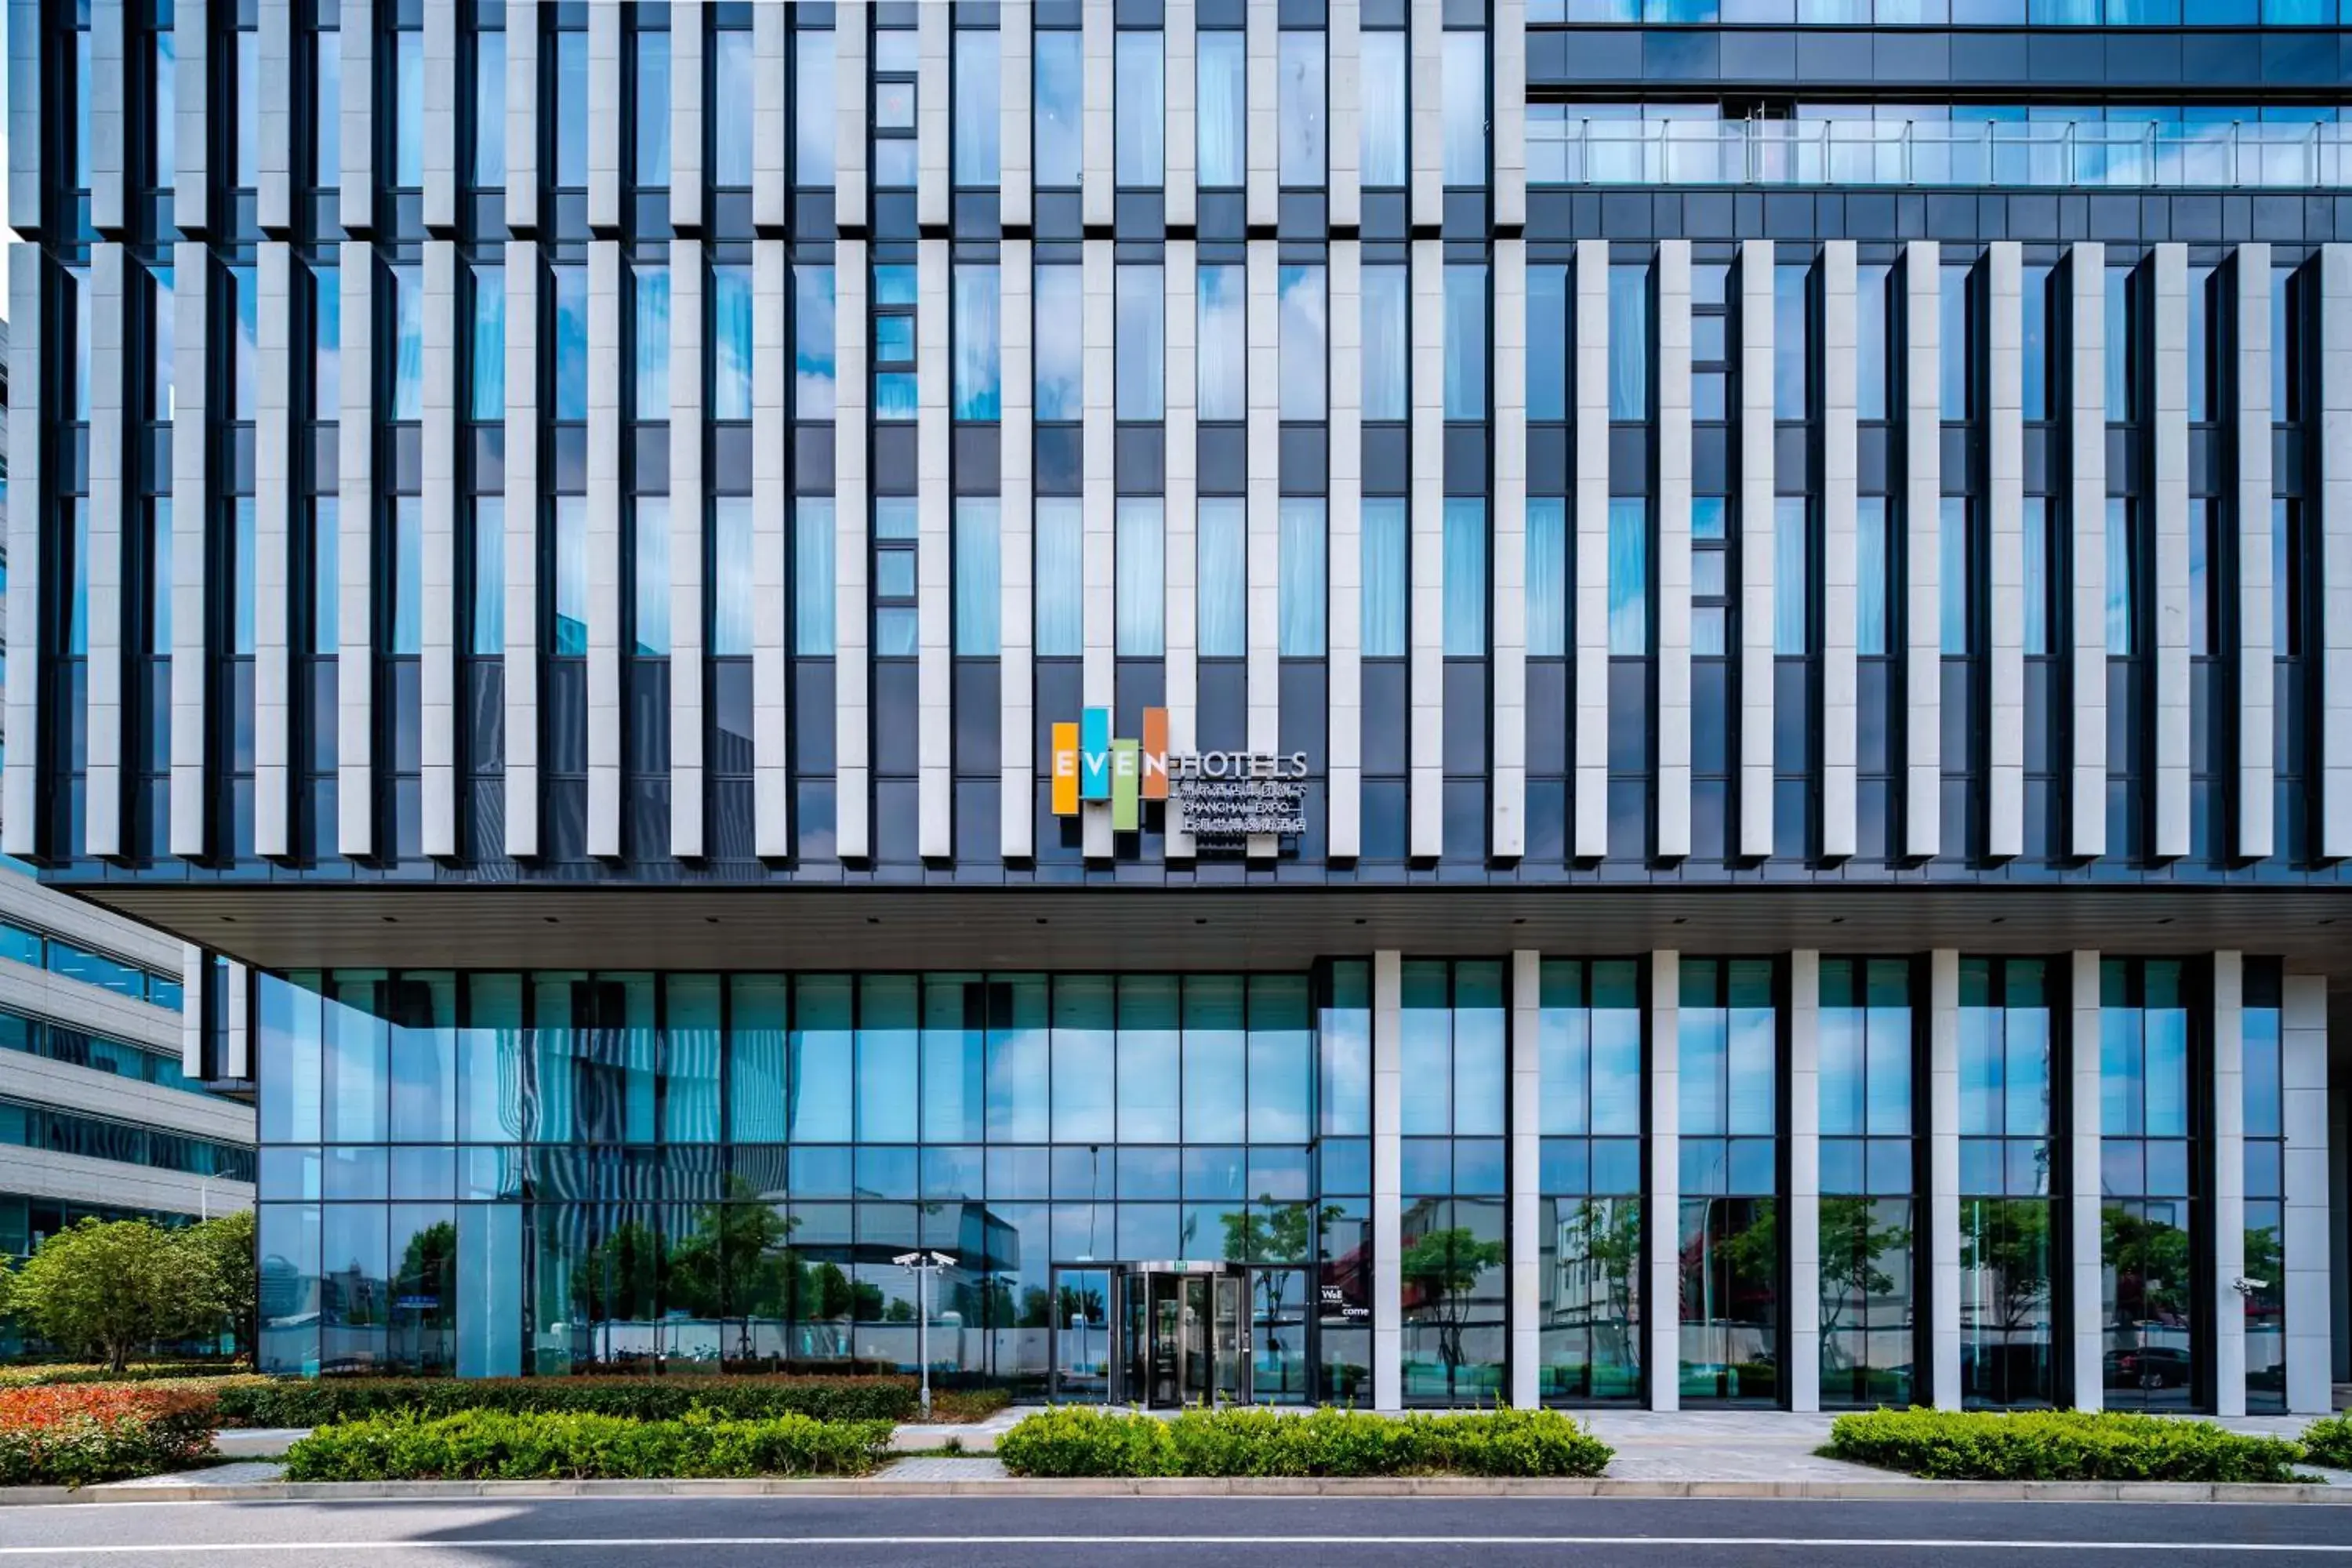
(503, 1446)
(961, 1404)
(2058, 1446)
(316, 1402)
(75, 1435)
(1082, 1441)
(60, 1372)
(2329, 1439)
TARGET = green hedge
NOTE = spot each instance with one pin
(77, 1435)
(501, 1445)
(2058, 1446)
(53, 1373)
(1080, 1441)
(2329, 1439)
(316, 1402)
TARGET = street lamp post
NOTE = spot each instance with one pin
(924, 1265)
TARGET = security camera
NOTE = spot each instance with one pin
(2245, 1287)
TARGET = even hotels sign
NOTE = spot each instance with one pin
(1092, 766)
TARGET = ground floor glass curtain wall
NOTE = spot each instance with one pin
(549, 1173)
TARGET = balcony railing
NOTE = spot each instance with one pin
(2064, 155)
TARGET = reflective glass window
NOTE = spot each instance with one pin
(1221, 90)
(1464, 66)
(978, 85)
(733, 114)
(979, 352)
(1301, 577)
(1223, 541)
(1386, 102)
(649, 340)
(1387, 570)
(1141, 571)
(1141, 378)
(979, 577)
(1140, 98)
(1300, 96)
(1060, 522)
(1629, 575)
(731, 338)
(1387, 343)
(1060, 388)
(813, 576)
(650, 576)
(1465, 615)
(1059, 97)
(1465, 337)
(1304, 341)
(1629, 342)
(1546, 627)
(653, 110)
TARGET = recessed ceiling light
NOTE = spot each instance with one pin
(1041, 919)
(710, 920)
(392, 920)
(551, 920)
(1681, 919)
(1519, 920)
(873, 920)
(1200, 920)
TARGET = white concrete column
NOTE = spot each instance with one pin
(1264, 512)
(1016, 693)
(359, 46)
(603, 543)
(2086, 500)
(1097, 678)
(522, 217)
(1343, 36)
(1662, 1207)
(1343, 766)
(1804, 1180)
(1095, 205)
(2257, 657)
(1507, 38)
(687, 509)
(1674, 574)
(2332, 762)
(1425, 793)
(1017, 170)
(104, 122)
(102, 572)
(2169, 447)
(274, 198)
(237, 1049)
(192, 1011)
(19, 777)
(355, 550)
(437, 620)
(1388, 1181)
(1944, 1176)
(25, 123)
(441, 96)
(1923, 495)
(1508, 620)
(1428, 94)
(771, 73)
(191, 105)
(604, 131)
(523, 509)
(1590, 838)
(2229, 1308)
(2303, 1079)
(2084, 1317)
(1180, 580)
(273, 521)
(851, 81)
(1759, 554)
(2005, 537)
(1262, 197)
(1182, 89)
(851, 809)
(192, 272)
(934, 541)
(771, 791)
(932, 71)
(688, 30)
(1526, 1294)
(1841, 571)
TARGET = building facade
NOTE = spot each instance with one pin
(1396, 700)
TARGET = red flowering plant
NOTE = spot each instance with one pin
(80, 1434)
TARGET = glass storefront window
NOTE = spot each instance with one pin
(1729, 1239)
(2148, 1186)
(1868, 1218)
(1590, 1050)
(2009, 1220)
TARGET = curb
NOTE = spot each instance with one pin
(1891, 1489)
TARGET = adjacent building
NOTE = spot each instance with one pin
(1394, 700)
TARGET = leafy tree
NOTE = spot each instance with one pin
(8, 1286)
(106, 1289)
(620, 1277)
(1852, 1246)
(230, 1243)
(2150, 1257)
(1444, 1266)
(1271, 1232)
(736, 1261)
(2012, 1252)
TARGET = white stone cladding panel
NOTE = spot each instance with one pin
(1841, 571)
(771, 73)
(273, 199)
(605, 577)
(273, 504)
(1261, 197)
(771, 352)
(355, 595)
(85, 1179)
(1095, 192)
(852, 815)
(191, 107)
(437, 514)
(934, 547)
(359, 79)
(932, 71)
(1180, 580)
(1674, 574)
(850, 85)
(191, 271)
(2169, 451)
(688, 26)
(523, 193)
(1508, 623)
(104, 119)
(2257, 662)
(1427, 619)
(2086, 443)
(19, 785)
(1343, 768)
(25, 128)
(523, 512)
(1097, 438)
(440, 129)
(1804, 1178)
(1016, 481)
(2333, 761)
(2086, 1325)
(1591, 837)
(1758, 558)
(1507, 118)
(1426, 73)
(102, 572)
(687, 510)
(1343, 36)
(1923, 494)
(1183, 137)
(2303, 1083)
(1016, 54)
(1664, 1193)
(41, 1079)
(1264, 338)
(2005, 547)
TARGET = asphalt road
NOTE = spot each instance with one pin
(1051, 1532)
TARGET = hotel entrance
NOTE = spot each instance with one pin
(1160, 1335)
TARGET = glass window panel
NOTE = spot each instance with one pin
(731, 576)
(979, 577)
(1060, 94)
(813, 113)
(1465, 102)
(2037, 574)
(1221, 91)
(731, 343)
(1060, 576)
(2118, 363)
(733, 115)
(653, 109)
(1386, 565)
(1060, 363)
(1465, 338)
(650, 333)
(813, 342)
(1629, 342)
(1953, 563)
(1140, 101)
(408, 122)
(1629, 575)
(1466, 577)
(1304, 341)
(572, 110)
(1300, 124)
(1547, 567)
(1872, 285)
(1956, 362)
(1385, 109)
(979, 86)
(1141, 571)
(570, 342)
(1791, 575)
(1870, 566)
(979, 355)
(1301, 568)
(1141, 378)
(649, 572)
(813, 576)
(489, 138)
(1223, 540)
(2035, 314)
(1388, 341)
(1215, 1060)
(2119, 588)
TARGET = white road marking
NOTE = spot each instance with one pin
(1871, 1544)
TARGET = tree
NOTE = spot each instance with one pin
(1444, 1266)
(2150, 1257)
(230, 1243)
(2009, 1246)
(8, 1286)
(106, 1288)
(1271, 1232)
(1852, 1246)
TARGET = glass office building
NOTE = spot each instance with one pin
(1402, 702)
